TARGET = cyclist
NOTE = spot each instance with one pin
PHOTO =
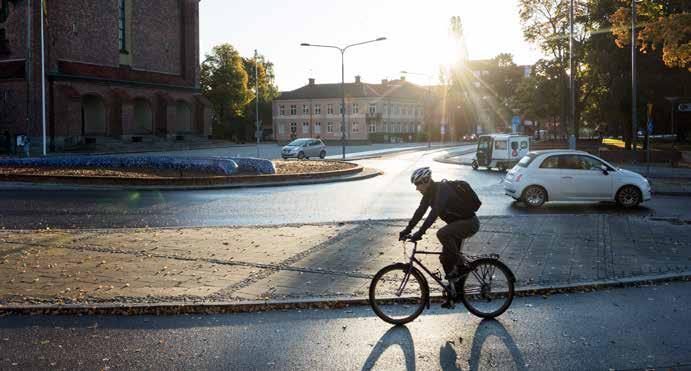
(447, 204)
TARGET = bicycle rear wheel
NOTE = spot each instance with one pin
(398, 293)
(487, 291)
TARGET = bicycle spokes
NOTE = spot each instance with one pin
(488, 288)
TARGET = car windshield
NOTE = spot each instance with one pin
(299, 142)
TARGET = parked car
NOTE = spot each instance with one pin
(568, 175)
(469, 138)
(304, 148)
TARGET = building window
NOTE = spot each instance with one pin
(305, 109)
(122, 25)
(282, 110)
(398, 109)
(281, 129)
(372, 108)
(340, 108)
(356, 108)
(372, 128)
(318, 128)
(293, 127)
(305, 128)
(330, 109)
(293, 110)
(330, 127)
(356, 129)
(317, 109)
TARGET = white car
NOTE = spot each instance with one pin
(567, 175)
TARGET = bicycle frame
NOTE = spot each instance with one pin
(412, 260)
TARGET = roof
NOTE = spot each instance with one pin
(394, 88)
(559, 151)
(503, 136)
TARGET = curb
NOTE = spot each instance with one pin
(216, 182)
(177, 308)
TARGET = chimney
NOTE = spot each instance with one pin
(402, 78)
(357, 79)
(385, 81)
(311, 81)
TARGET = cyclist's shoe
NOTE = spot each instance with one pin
(458, 272)
(448, 304)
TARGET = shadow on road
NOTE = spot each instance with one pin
(397, 335)
(519, 207)
(486, 329)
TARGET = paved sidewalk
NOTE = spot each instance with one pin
(311, 262)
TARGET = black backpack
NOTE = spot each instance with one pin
(469, 200)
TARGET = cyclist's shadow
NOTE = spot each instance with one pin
(486, 329)
(399, 335)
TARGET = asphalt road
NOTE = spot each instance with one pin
(633, 328)
(384, 197)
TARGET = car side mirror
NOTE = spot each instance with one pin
(604, 169)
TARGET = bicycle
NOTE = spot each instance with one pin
(396, 299)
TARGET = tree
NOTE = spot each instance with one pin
(665, 24)
(267, 92)
(224, 82)
(546, 23)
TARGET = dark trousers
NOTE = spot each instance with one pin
(451, 237)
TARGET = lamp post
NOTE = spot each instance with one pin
(342, 50)
(634, 119)
(429, 86)
(572, 83)
(256, 82)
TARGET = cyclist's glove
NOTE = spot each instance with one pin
(417, 236)
(403, 234)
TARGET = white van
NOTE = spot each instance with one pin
(500, 151)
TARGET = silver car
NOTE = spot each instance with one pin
(304, 148)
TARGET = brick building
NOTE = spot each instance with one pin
(374, 112)
(115, 70)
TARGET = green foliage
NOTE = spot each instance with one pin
(228, 81)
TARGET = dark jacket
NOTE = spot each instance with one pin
(445, 204)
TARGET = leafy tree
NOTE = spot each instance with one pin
(267, 92)
(663, 24)
(224, 82)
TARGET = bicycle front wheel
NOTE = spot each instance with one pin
(398, 293)
(487, 291)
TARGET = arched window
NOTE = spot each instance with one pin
(183, 117)
(143, 117)
(93, 115)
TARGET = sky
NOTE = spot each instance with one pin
(416, 31)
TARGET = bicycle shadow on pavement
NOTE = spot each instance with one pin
(486, 329)
(397, 335)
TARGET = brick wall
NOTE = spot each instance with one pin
(84, 31)
(156, 35)
(15, 31)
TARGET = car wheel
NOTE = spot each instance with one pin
(285, 158)
(534, 196)
(301, 155)
(475, 165)
(322, 154)
(628, 197)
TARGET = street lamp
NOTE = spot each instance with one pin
(342, 50)
(429, 86)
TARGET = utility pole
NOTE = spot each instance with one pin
(634, 119)
(572, 83)
(256, 82)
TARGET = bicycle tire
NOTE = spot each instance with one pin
(385, 303)
(472, 295)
